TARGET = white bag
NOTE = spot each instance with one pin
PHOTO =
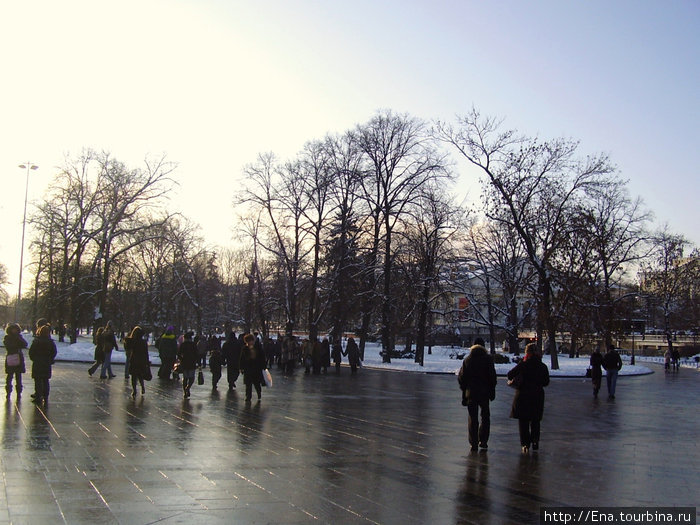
(12, 360)
(267, 377)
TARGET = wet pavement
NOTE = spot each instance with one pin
(378, 447)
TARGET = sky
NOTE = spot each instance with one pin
(210, 84)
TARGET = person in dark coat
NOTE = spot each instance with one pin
(353, 353)
(167, 351)
(612, 364)
(530, 375)
(337, 356)
(139, 365)
(43, 353)
(215, 361)
(325, 355)
(252, 366)
(99, 351)
(189, 359)
(596, 370)
(109, 343)
(231, 356)
(14, 361)
(477, 379)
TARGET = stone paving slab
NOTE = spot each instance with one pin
(377, 447)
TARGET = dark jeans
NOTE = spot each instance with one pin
(249, 390)
(41, 388)
(479, 434)
(529, 431)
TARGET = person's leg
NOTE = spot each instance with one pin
(524, 429)
(18, 383)
(535, 433)
(143, 386)
(133, 385)
(8, 385)
(613, 383)
(485, 427)
(248, 391)
(473, 425)
(608, 380)
(258, 390)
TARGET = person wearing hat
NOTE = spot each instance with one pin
(477, 380)
(14, 361)
(42, 352)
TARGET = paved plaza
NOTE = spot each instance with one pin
(379, 447)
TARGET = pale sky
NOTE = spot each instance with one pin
(213, 83)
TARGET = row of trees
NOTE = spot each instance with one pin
(359, 233)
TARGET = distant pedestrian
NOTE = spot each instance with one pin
(676, 359)
(353, 353)
(99, 354)
(596, 363)
(215, 361)
(139, 365)
(289, 353)
(252, 366)
(667, 360)
(477, 380)
(109, 343)
(202, 348)
(530, 376)
(231, 356)
(325, 355)
(612, 364)
(14, 360)
(337, 355)
(43, 353)
(167, 351)
(189, 358)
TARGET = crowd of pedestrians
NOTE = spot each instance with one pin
(248, 355)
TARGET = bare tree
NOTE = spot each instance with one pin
(533, 189)
(400, 158)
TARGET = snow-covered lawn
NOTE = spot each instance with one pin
(437, 362)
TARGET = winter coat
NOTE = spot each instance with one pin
(167, 347)
(596, 364)
(14, 343)
(188, 355)
(528, 402)
(325, 353)
(215, 362)
(252, 365)
(42, 352)
(109, 340)
(612, 361)
(477, 377)
(137, 348)
(337, 353)
(353, 353)
(231, 353)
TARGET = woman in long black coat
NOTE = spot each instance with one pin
(596, 370)
(531, 375)
(14, 361)
(188, 356)
(42, 352)
(139, 365)
(252, 366)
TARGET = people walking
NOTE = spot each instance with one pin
(189, 358)
(215, 361)
(353, 353)
(231, 356)
(337, 355)
(109, 343)
(167, 351)
(43, 353)
(14, 360)
(99, 355)
(477, 380)
(612, 364)
(139, 365)
(252, 366)
(325, 355)
(596, 363)
(530, 376)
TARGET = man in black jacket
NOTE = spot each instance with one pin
(477, 379)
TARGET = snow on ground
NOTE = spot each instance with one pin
(439, 362)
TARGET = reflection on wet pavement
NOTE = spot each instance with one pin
(379, 447)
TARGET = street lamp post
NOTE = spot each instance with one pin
(28, 166)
